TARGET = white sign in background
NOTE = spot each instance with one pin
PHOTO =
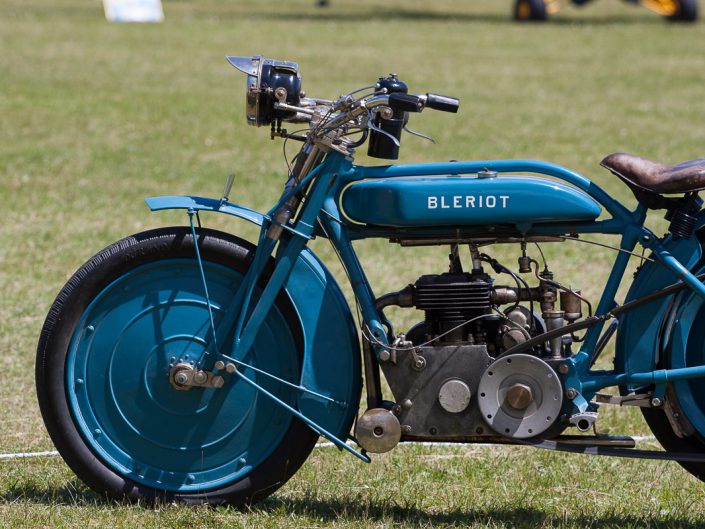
(133, 10)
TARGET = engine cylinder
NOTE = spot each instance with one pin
(450, 299)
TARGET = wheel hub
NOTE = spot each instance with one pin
(184, 376)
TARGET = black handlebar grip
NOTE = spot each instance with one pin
(405, 102)
(442, 103)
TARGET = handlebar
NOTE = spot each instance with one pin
(411, 103)
(400, 101)
(405, 102)
(442, 103)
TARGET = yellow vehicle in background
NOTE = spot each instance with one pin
(539, 10)
(674, 10)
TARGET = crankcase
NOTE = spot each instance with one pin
(465, 200)
(435, 389)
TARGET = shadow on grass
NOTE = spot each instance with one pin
(402, 15)
(76, 494)
(73, 493)
(519, 517)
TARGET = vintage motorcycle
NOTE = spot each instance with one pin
(191, 365)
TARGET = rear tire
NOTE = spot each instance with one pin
(685, 349)
(661, 428)
(686, 11)
(102, 374)
(530, 10)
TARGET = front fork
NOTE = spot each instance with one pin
(229, 343)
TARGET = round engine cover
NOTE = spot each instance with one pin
(520, 396)
(378, 430)
(454, 395)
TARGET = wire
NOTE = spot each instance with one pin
(615, 248)
(360, 90)
(501, 268)
(358, 311)
(286, 160)
(543, 257)
(504, 317)
(434, 339)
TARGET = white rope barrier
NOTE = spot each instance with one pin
(23, 455)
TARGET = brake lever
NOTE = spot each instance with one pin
(414, 133)
(371, 125)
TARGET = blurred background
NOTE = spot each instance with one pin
(95, 116)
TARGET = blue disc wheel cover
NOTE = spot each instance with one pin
(120, 393)
(688, 349)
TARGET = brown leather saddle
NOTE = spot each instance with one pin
(656, 178)
(650, 181)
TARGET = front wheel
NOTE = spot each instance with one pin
(106, 352)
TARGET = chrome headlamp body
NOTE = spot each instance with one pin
(268, 81)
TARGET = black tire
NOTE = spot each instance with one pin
(656, 418)
(530, 11)
(687, 11)
(52, 391)
(661, 428)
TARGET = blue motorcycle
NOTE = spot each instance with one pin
(188, 364)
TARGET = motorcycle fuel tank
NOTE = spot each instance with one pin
(464, 200)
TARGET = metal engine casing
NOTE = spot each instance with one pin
(416, 391)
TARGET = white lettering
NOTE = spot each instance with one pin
(467, 201)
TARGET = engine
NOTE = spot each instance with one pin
(450, 374)
(449, 300)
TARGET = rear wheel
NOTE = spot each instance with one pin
(686, 11)
(685, 399)
(104, 360)
(530, 10)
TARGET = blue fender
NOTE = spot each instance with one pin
(331, 365)
(640, 330)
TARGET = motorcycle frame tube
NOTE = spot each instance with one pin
(321, 210)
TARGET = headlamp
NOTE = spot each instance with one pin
(268, 81)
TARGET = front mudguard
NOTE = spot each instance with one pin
(331, 365)
(643, 332)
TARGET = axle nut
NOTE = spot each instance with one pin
(519, 396)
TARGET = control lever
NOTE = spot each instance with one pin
(372, 126)
(414, 133)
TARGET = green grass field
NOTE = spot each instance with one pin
(96, 116)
